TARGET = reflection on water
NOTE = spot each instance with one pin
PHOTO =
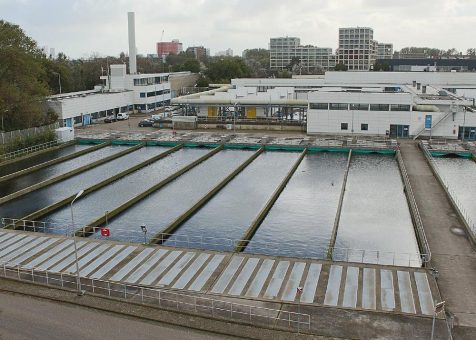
(38, 199)
(460, 175)
(97, 203)
(42, 158)
(300, 222)
(165, 205)
(231, 211)
(41, 175)
(375, 214)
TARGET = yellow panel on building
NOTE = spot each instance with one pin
(212, 111)
(251, 112)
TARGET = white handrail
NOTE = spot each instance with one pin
(161, 297)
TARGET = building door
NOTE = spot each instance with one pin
(86, 119)
(399, 131)
(467, 133)
(68, 122)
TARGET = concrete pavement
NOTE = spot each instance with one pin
(25, 317)
(452, 253)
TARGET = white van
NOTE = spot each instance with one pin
(122, 116)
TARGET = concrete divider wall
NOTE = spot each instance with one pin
(33, 154)
(47, 210)
(88, 229)
(241, 245)
(335, 228)
(412, 206)
(69, 174)
(469, 232)
(162, 236)
(52, 162)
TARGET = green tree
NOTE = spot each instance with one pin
(23, 80)
(223, 69)
(340, 67)
(381, 66)
(257, 60)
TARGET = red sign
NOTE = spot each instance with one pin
(105, 232)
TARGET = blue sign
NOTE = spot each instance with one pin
(428, 119)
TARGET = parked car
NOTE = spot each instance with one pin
(122, 116)
(158, 116)
(110, 119)
(146, 122)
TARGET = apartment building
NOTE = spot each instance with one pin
(357, 48)
(283, 49)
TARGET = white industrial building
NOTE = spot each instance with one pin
(398, 104)
(119, 92)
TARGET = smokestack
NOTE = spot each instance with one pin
(132, 43)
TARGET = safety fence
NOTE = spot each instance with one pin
(138, 235)
(453, 195)
(414, 208)
(197, 304)
(7, 137)
(31, 149)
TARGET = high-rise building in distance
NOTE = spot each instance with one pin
(282, 50)
(168, 47)
(357, 48)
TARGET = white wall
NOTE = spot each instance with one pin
(72, 107)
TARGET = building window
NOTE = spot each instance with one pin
(344, 126)
(338, 106)
(364, 127)
(142, 94)
(318, 106)
(360, 107)
(379, 107)
(399, 107)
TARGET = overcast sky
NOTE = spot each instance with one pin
(81, 27)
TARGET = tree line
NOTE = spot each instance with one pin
(28, 76)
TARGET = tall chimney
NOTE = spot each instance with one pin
(132, 43)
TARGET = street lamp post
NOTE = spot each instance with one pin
(78, 278)
(234, 117)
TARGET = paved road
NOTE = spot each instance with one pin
(23, 317)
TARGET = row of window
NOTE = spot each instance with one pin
(154, 93)
(345, 126)
(359, 107)
(150, 81)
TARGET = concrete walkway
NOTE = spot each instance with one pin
(452, 254)
(269, 279)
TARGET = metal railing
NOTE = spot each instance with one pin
(156, 297)
(414, 208)
(371, 256)
(31, 149)
(451, 192)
